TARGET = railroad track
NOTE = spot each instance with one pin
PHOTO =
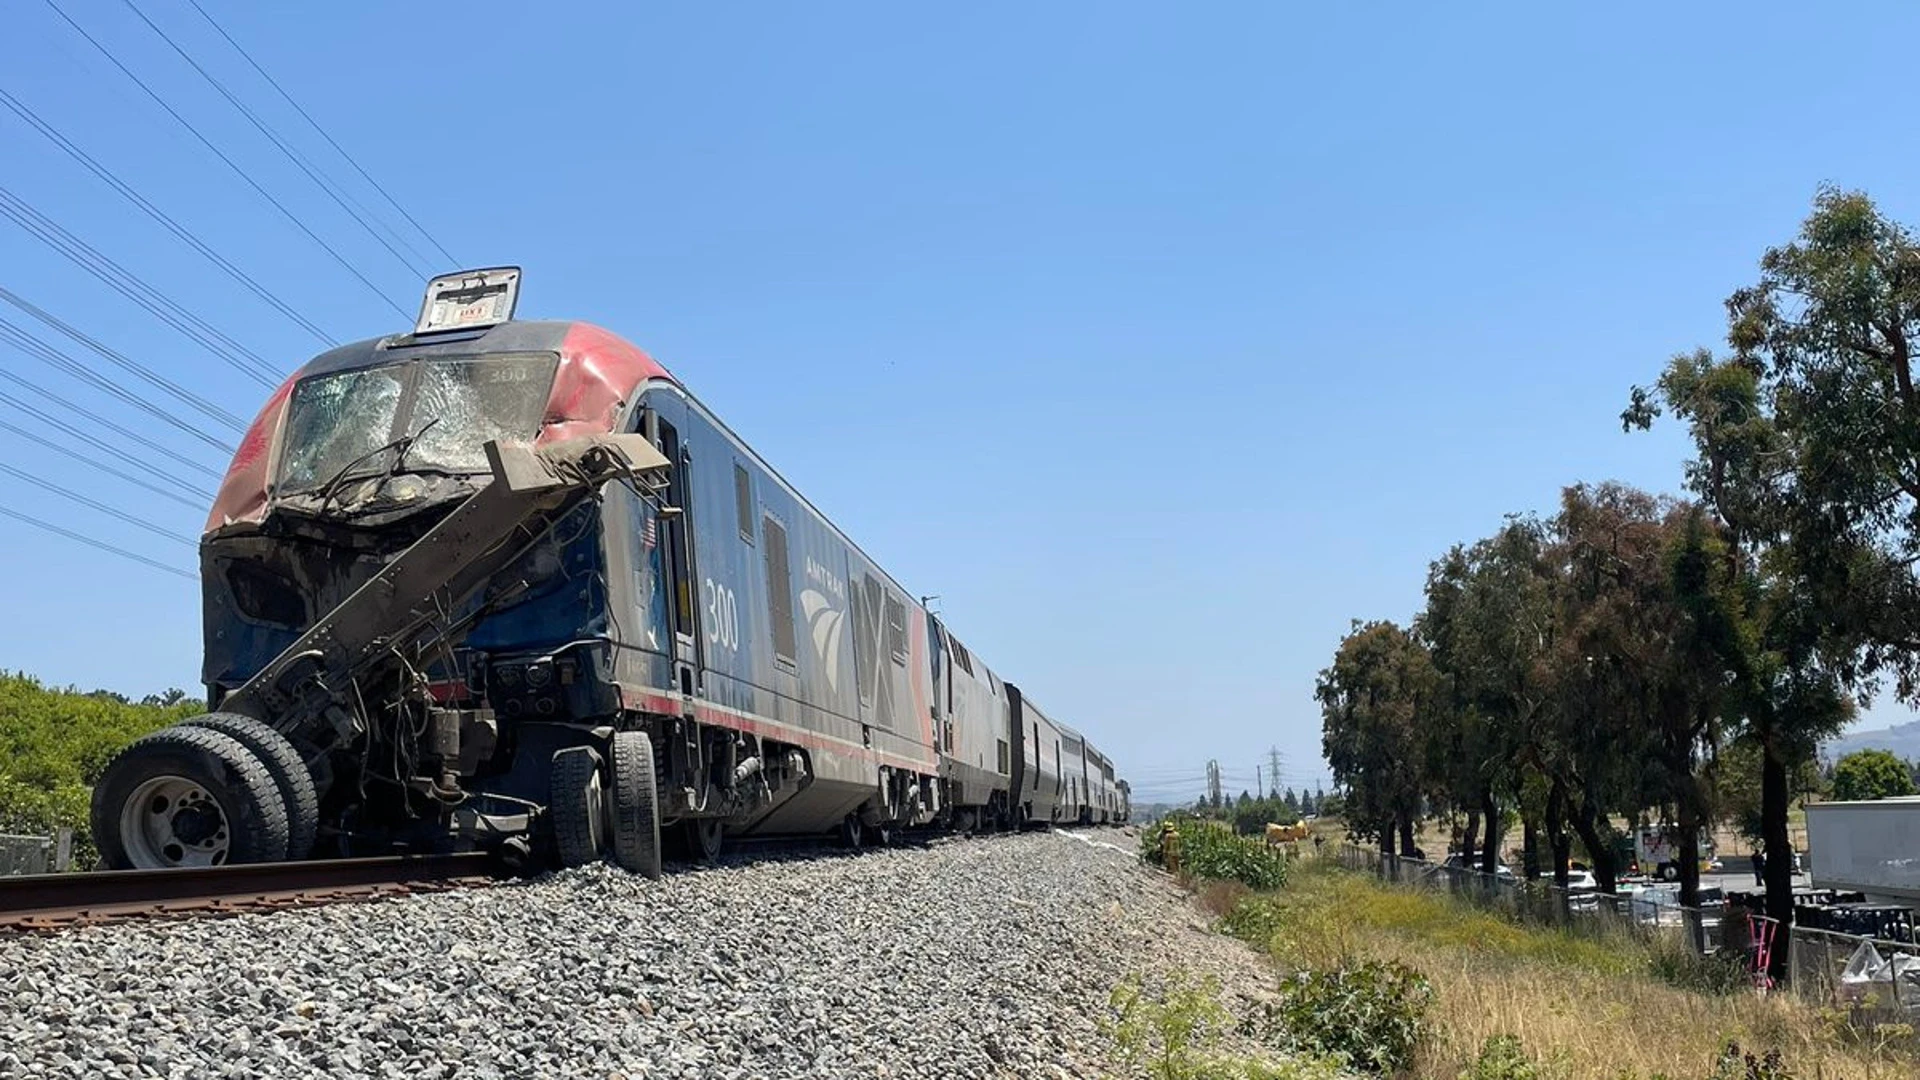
(51, 902)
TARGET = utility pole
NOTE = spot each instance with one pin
(1273, 772)
(1213, 783)
(1259, 788)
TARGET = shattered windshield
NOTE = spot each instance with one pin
(476, 401)
(334, 419)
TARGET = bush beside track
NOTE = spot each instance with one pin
(53, 744)
(1199, 849)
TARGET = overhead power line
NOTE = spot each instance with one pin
(39, 439)
(181, 232)
(91, 542)
(92, 438)
(134, 288)
(95, 504)
(344, 262)
(299, 160)
(341, 150)
(28, 343)
(126, 363)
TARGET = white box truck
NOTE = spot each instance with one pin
(1872, 847)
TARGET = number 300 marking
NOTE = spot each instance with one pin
(723, 615)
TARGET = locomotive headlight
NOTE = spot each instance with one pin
(539, 673)
(508, 676)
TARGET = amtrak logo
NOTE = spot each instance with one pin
(823, 622)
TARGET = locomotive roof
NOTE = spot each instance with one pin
(597, 374)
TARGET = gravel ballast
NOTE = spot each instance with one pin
(963, 958)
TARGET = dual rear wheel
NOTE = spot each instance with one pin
(224, 788)
(613, 804)
(212, 790)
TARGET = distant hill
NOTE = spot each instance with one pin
(1902, 740)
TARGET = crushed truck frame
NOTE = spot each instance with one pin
(351, 684)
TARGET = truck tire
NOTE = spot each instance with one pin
(705, 839)
(849, 832)
(187, 796)
(577, 803)
(636, 805)
(290, 773)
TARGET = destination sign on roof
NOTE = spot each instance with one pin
(469, 299)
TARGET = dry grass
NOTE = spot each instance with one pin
(1588, 1006)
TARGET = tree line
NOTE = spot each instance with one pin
(1632, 651)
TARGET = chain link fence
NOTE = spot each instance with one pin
(1651, 915)
(1875, 980)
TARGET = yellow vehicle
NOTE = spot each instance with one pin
(1287, 834)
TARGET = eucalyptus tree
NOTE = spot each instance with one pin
(1374, 698)
(1489, 623)
(1807, 451)
(1633, 716)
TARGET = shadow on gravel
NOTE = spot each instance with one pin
(757, 851)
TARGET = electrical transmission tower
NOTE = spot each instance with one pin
(1213, 784)
(1273, 770)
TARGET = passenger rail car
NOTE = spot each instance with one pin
(702, 655)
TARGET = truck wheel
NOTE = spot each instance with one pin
(636, 806)
(850, 831)
(187, 796)
(705, 837)
(578, 805)
(290, 774)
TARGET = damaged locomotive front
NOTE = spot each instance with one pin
(404, 629)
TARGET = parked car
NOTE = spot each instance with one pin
(1457, 861)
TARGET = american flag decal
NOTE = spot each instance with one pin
(648, 535)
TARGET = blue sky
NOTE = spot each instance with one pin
(1158, 344)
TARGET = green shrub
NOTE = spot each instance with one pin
(1209, 850)
(1372, 1014)
(1256, 920)
(1163, 1035)
(1172, 1036)
(1676, 964)
(53, 746)
(1502, 1057)
(1736, 1065)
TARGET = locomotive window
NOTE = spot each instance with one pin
(743, 501)
(676, 533)
(960, 654)
(472, 402)
(334, 419)
(897, 629)
(338, 423)
(866, 634)
(1000, 745)
(779, 590)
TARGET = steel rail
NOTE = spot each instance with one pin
(43, 902)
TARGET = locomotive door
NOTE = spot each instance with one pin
(678, 529)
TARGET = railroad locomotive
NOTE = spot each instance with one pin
(508, 585)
